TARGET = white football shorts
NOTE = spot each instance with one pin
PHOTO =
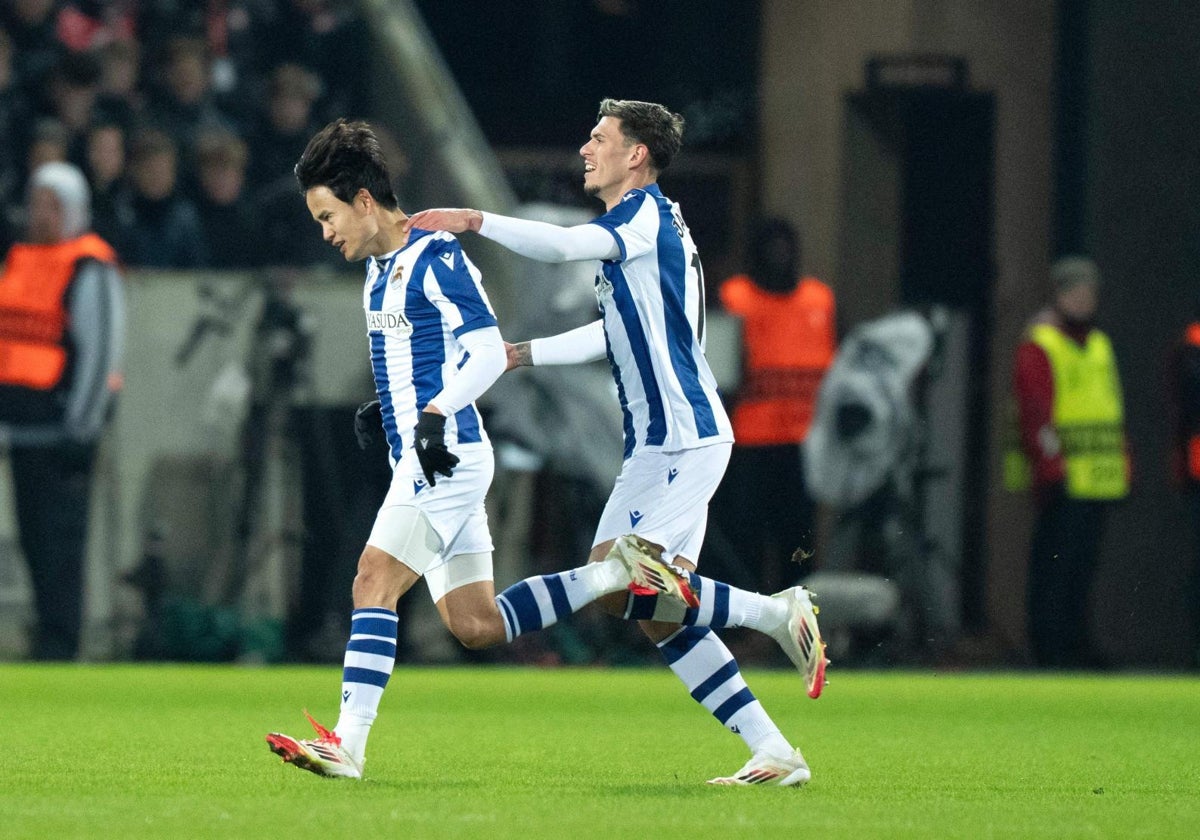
(663, 497)
(453, 507)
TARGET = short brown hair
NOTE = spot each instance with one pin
(659, 129)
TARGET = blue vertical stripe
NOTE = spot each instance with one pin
(720, 616)
(427, 341)
(468, 425)
(656, 429)
(626, 414)
(672, 276)
(379, 361)
(458, 285)
(558, 595)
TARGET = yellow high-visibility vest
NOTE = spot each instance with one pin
(1088, 413)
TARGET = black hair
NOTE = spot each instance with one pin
(660, 130)
(346, 157)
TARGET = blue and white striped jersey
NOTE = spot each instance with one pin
(652, 298)
(418, 300)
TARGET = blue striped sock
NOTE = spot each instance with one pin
(370, 657)
(711, 674)
(721, 605)
(538, 602)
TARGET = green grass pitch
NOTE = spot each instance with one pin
(123, 751)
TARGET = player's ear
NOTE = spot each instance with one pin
(363, 200)
(639, 155)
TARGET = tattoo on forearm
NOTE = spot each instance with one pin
(523, 354)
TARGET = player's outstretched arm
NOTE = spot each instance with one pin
(582, 344)
(537, 240)
(451, 219)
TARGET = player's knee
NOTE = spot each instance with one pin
(475, 633)
(379, 580)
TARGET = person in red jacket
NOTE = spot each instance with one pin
(1185, 388)
(1072, 454)
(789, 338)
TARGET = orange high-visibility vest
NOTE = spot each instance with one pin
(790, 340)
(33, 315)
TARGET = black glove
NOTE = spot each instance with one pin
(368, 421)
(430, 443)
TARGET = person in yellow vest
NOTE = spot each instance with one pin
(62, 320)
(789, 337)
(1072, 453)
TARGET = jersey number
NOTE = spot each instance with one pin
(700, 297)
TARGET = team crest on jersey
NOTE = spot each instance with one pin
(397, 275)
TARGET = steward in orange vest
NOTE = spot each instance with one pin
(62, 317)
(35, 348)
(789, 337)
(789, 340)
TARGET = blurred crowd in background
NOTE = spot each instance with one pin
(187, 118)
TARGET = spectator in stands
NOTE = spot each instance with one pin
(90, 24)
(120, 97)
(159, 226)
(279, 138)
(184, 106)
(71, 97)
(14, 121)
(49, 141)
(104, 164)
(275, 146)
(232, 233)
(31, 26)
(318, 34)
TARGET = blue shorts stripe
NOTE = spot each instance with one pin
(718, 679)
(365, 676)
(734, 705)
